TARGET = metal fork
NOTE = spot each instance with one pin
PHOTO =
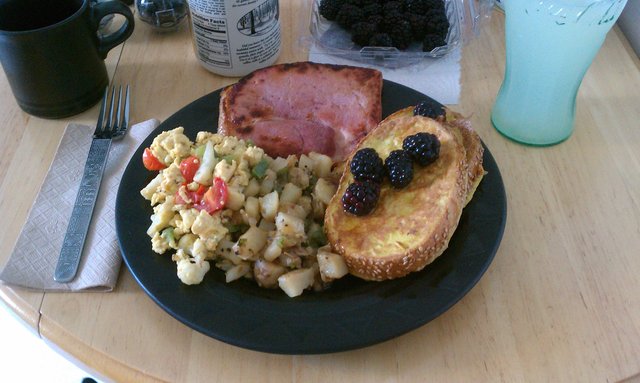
(109, 127)
(118, 127)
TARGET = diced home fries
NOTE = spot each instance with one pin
(222, 200)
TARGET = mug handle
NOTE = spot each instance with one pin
(102, 9)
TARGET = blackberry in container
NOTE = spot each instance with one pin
(449, 23)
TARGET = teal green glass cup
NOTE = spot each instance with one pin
(550, 44)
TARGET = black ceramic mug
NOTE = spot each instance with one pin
(53, 55)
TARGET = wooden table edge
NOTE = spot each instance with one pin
(30, 315)
(101, 365)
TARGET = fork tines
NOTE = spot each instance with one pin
(116, 124)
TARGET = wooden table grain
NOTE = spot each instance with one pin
(560, 302)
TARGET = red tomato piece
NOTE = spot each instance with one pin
(194, 196)
(197, 195)
(201, 189)
(178, 200)
(216, 197)
(150, 161)
(188, 167)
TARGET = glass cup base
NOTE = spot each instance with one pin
(529, 142)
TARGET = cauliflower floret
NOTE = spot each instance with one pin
(225, 248)
(253, 154)
(179, 255)
(171, 179)
(185, 243)
(172, 144)
(185, 220)
(161, 217)
(199, 250)
(192, 273)
(159, 244)
(209, 228)
(225, 170)
(151, 188)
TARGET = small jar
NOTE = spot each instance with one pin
(163, 15)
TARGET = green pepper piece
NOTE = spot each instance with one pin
(316, 237)
(169, 236)
(199, 152)
(260, 169)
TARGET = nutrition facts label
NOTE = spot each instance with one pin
(234, 37)
(212, 40)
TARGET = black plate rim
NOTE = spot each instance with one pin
(159, 296)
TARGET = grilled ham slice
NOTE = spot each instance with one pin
(302, 107)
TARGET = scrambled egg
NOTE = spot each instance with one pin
(171, 145)
(269, 225)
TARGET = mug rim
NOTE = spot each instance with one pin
(83, 6)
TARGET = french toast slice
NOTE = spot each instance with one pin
(409, 227)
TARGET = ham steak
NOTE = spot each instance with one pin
(302, 107)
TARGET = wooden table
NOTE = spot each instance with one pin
(560, 302)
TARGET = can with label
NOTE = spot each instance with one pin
(235, 37)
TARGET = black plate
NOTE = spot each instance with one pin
(353, 313)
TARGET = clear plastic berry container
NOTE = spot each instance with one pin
(465, 19)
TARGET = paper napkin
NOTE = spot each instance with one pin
(438, 79)
(34, 258)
